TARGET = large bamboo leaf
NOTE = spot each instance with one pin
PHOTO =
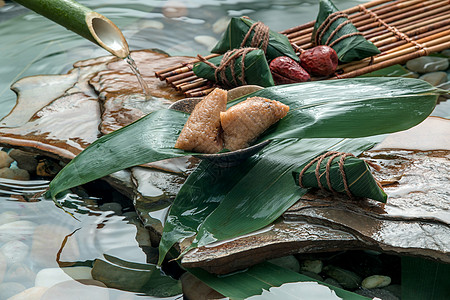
(260, 196)
(424, 279)
(149, 139)
(242, 285)
(382, 105)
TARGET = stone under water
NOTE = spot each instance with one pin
(101, 95)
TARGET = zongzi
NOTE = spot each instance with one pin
(244, 32)
(334, 29)
(201, 133)
(245, 121)
(236, 67)
(340, 173)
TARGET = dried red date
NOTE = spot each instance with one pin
(319, 61)
(286, 70)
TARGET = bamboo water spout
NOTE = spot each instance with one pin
(83, 21)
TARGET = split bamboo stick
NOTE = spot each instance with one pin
(393, 61)
(167, 72)
(179, 76)
(404, 18)
(403, 52)
(200, 93)
(398, 45)
(430, 22)
(414, 33)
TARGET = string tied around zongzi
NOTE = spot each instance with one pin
(260, 38)
(323, 28)
(228, 61)
(319, 159)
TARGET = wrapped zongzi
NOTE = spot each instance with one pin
(244, 32)
(340, 173)
(334, 29)
(236, 67)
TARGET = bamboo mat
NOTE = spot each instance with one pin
(401, 29)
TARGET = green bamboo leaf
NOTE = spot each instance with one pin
(149, 139)
(349, 49)
(237, 29)
(267, 190)
(135, 277)
(318, 109)
(424, 279)
(252, 281)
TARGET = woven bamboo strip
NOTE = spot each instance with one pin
(432, 34)
(432, 41)
(412, 33)
(404, 19)
(419, 5)
(423, 22)
(347, 11)
(396, 60)
(368, 23)
(431, 22)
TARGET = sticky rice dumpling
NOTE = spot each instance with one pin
(245, 121)
(236, 67)
(244, 32)
(201, 133)
(340, 172)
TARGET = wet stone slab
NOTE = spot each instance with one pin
(415, 220)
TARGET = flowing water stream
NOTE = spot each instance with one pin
(39, 238)
(145, 89)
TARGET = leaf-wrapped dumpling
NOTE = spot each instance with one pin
(346, 174)
(229, 70)
(353, 47)
(274, 44)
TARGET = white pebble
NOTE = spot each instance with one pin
(376, 281)
(16, 174)
(208, 41)
(426, 64)
(34, 293)
(5, 159)
(15, 251)
(18, 230)
(150, 24)
(314, 266)
(434, 78)
(8, 217)
(51, 276)
(220, 25)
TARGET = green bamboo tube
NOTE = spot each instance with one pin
(83, 21)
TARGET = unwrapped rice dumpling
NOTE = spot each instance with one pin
(346, 40)
(201, 133)
(245, 121)
(340, 173)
